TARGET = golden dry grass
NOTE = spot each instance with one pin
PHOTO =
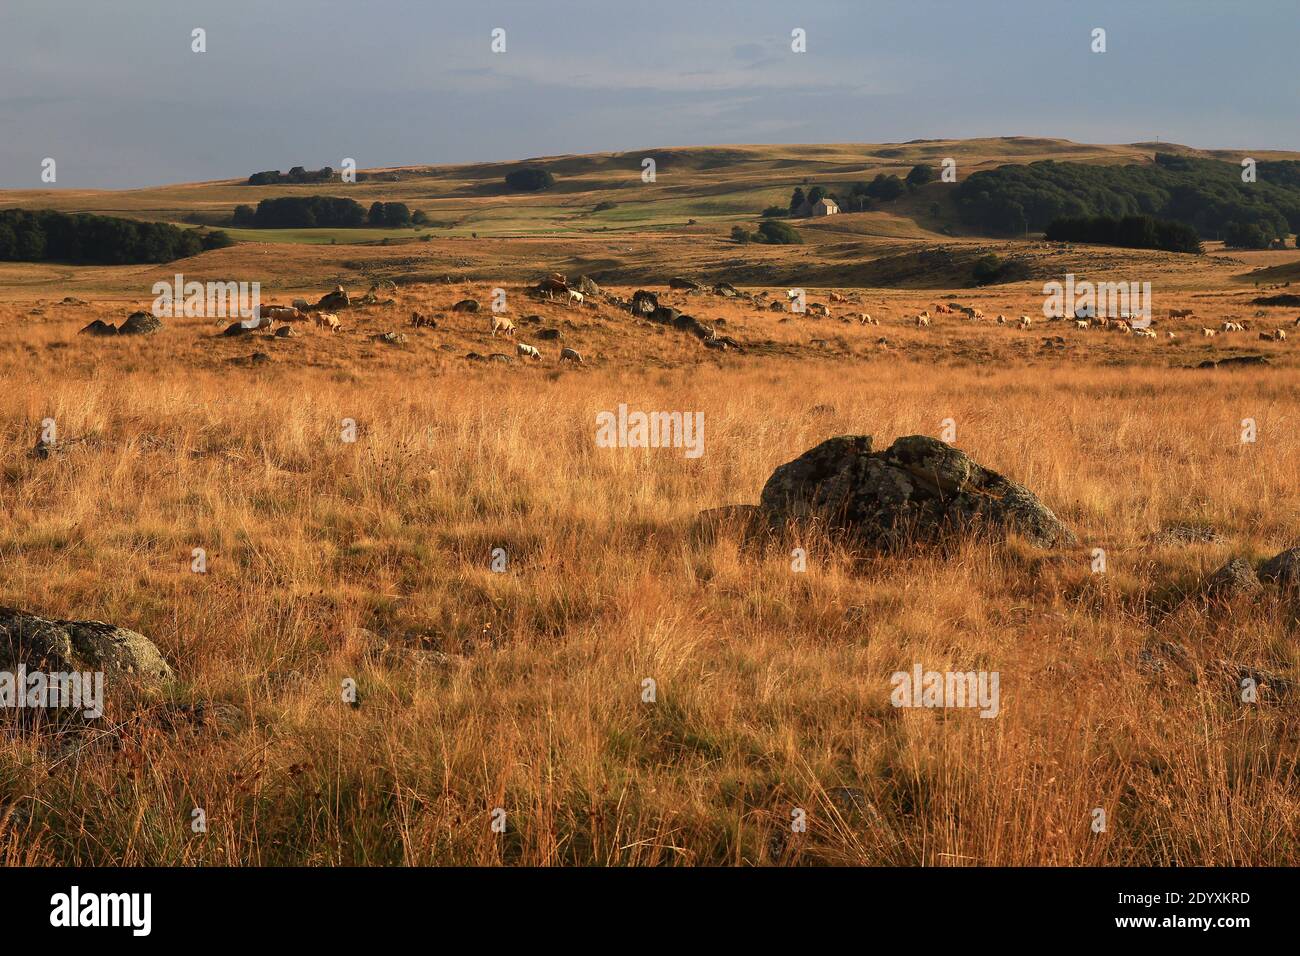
(523, 689)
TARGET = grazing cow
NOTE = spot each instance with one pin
(1025, 322)
(420, 320)
(1123, 327)
(1277, 335)
(1171, 335)
(302, 305)
(1081, 324)
(283, 313)
(865, 319)
(570, 355)
(527, 351)
(328, 320)
(1145, 333)
(1233, 327)
(575, 297)
(836, 297)
(1208, 333)
(501, 324)
(1180, 313)
(922, 321)
(817, 308)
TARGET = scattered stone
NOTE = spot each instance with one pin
(237, 328)
(1233, 361)
(677, 282)
(919, 490)
(475, 357)
(726, 290)
(390, 338)
(1235, 579)
(465, 305)
(549, 335)
(501, 357)
(644, 303)
(1185, 534)
(333, 301)
(776, 305)
(1282, 569)
(285, 332)
(140, 323)
(588, 287)
(99, 327)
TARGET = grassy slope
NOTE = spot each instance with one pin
(717, 186)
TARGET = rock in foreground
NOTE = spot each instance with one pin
(919, 490)
(63, 646)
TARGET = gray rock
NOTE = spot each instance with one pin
(1283, 569)
(644, 303)
(390, 338)
(465, 305)
(1235, 579)
(139, 323)
(1185, 534)
(588, 287)
(99, 327)
(677, 282)
(53, 645)
(919, 490)
(549, 335)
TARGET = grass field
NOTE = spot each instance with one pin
(523, 690)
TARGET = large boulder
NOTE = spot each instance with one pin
(588, 287)
(51, 645)
(918, 490)
(140, 323)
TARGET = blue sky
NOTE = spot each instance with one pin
(113, 92)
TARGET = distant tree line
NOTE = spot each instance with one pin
(1207, 195)
(296, 176)
(35, 236)
(328, 212)
(1131, 232)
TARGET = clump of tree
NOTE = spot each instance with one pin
(389, 215)
(991, 268)
(774, 212)
(530, 179)
(604, 206)
(1207, 195)
(1131, 232)
(918, 176)
(741, 234)
(36, 236)
(307, 212)
(296, 176)
(244, 216)
(1245, 235)
(777, 233)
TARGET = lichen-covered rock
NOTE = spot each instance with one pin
(1235, 579)
(52, 645)
(139, 323)
(1283, 569)
(919, 490)
(644, 303)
